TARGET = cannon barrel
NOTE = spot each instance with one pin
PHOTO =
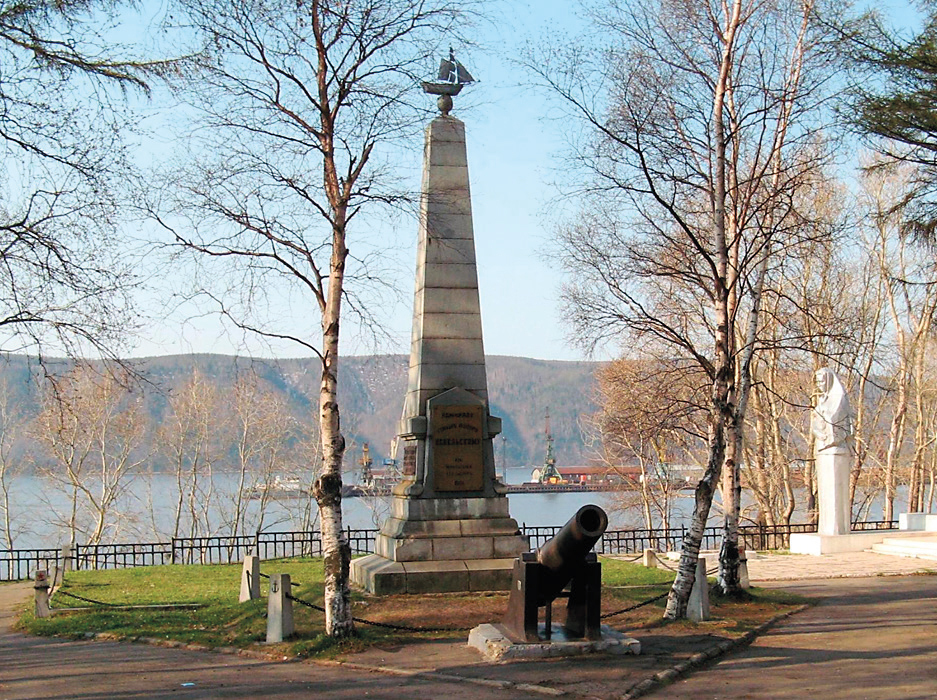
(567, 550)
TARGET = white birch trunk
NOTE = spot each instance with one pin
(723, 373)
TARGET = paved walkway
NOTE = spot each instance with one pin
(788, 567)
(868, 638)
(52, 669)
(794, 567)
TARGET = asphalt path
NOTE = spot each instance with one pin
(868, 638)
(53, 669)
(873, 637)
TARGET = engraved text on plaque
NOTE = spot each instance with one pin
(458, 454)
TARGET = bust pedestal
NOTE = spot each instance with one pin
(833, 465)
(833, 529)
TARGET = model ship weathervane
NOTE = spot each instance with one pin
(452, 76)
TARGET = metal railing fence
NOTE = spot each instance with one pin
(19, 564)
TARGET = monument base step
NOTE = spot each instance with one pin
(816, 544)
(381, 576)
(421, 549)
(922, 546)
(919, 522)
(916, 543)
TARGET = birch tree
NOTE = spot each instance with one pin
(649, 414)
(704, 124)
(264, 439)
(92, 428)
(295, 103)
(13, 462)
(65, 278)
(187, 443)
(910, 300)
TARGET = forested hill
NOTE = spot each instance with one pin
(371, 390)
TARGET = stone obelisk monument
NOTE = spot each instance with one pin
(449, 529)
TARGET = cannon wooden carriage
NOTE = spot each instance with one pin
(540, 578)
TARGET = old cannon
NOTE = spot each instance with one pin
(540, 578)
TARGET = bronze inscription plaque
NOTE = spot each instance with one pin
(458, 454)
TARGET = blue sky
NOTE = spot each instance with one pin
(515, 155)
(513, 152)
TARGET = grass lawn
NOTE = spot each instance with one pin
(222, 621)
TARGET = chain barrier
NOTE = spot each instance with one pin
(87, 600)
(402, 628)
(670, 568)
(292, 583)
(385, 625)
(628, 561)
(636, 606)
(305, 602)
(407, 628)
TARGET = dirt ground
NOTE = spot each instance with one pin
(663, 645)
(463, 612)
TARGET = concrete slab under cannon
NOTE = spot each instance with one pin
(492, 641)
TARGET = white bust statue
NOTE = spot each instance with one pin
(831, 418)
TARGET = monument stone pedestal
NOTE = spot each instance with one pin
(831, 427)
(833, 467)
(833, 528)
(442, 546)
(449, 529)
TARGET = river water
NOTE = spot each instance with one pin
(145, 512)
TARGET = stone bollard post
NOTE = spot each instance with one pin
(279, 609)
(744, 583)
(650, 558)
(698, 605)
(250, 579)
(56, 579)
(66, 558)
(42, 594)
